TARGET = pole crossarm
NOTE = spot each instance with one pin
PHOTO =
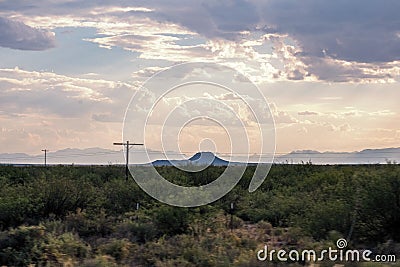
(124, 144)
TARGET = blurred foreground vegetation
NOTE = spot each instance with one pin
(88, 216)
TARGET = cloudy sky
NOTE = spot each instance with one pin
(330, 70)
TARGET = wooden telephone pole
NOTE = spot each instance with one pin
(127, 145)
(45, 156)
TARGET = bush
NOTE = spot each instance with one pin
(100, 261)
(34, 245)
(138, 232)
(18, 246)
(171, 220)
(119, 249)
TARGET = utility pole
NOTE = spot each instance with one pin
(127, 145)
(45, 156)
(231, 216)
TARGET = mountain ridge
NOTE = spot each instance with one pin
(96, 155)
(200, 158)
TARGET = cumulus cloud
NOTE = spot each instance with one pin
(345, 127)
(147, 72)
(281, 116)
(341, 128)
(17, 35)
(334, 70)
(44, 109)
(299, 65)
(32, 92)
(228, 96)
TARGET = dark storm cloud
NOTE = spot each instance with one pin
(356, 30)
(351, 30)
(17, 35)
(213, 19)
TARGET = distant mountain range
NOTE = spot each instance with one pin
(67, 156)
(367, 156)
(107, 156)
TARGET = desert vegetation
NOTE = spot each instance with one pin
(91, 216)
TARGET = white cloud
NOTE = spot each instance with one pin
(44, 109)
(281, 116)
(147, 72)
(345, 127)
(49, 93)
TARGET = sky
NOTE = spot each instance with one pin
(329, 71)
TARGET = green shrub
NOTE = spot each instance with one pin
(34, 245)
(119, 249)
(100, 261)
(171, 220)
